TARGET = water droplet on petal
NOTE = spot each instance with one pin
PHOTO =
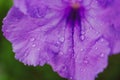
(33, 45)
(61, 39)
(71, 78)
(85, 61)
(32, 39)
(82, 32)
(82, 37)
(63, 69)
(97, 32)
(81, 49)
(76, 61)
(101, 55)
(7, 30)
(102, 40)
(61, 53)
(96, 47)
(82, 70)
(38, 49)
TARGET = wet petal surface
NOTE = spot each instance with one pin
(75, 39)
(111, 26)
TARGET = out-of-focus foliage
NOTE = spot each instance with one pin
(11, 69)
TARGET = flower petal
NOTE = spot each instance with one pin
(40, 35)
(35, 5)
(21, 4)
(28, 36)
(113, 30)
(105, 3)
(106, 23)
(91, 59)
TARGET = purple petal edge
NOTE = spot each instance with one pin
(48, 40)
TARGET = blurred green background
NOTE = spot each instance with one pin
(11, 69)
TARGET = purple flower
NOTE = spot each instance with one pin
(74, 37)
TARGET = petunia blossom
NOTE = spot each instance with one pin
(75, 37)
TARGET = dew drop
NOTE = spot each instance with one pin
(38, 49)
(101, 55)
(33, 45)
(102, 40)
(61, 53)
(85, 61)
(32, 39)
(76, 60)
(71, 78)
(61, 39)
(82, 32)
(7, 30)
(97, 32)
(82, 70)
(25, 54)
(63, 69)
(81, 49)
(82, 37)
(96, 47)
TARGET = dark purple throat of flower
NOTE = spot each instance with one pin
(74, 14)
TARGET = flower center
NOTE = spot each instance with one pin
(74, 14)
